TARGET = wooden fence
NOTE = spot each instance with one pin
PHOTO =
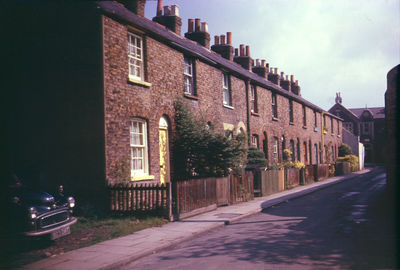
(194, 194)
(323, 171)
(131, 197)
(241, 187)
(292, 178)
(190, 195)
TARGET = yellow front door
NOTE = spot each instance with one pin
(164, 169)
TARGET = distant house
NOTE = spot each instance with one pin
(366, 123)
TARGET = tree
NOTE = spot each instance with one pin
(345, 150)
(199, 151)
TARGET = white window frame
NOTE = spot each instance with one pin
(254, 140)
(135, 57)
(227, 97)
(275, 146)
(138, 145)
(188, 76)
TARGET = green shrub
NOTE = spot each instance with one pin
(256, 157)
(345, 150)
(352, 159)
(200, 152)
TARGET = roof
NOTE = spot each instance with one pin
(377, 112)
(343, 109)
(156, 30)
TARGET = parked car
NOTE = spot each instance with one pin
(35, 212)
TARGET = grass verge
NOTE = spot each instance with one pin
(87, 231)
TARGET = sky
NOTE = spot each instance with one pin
(329, 46)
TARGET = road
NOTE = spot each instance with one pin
(345, 226)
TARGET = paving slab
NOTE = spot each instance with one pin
(116, 252)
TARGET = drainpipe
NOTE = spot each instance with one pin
(246, 82)
(322, 137)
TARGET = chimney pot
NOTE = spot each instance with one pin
(263, 62)
(236, 52)
(159, 8)
(174, 10)
(241, 49)
(297, 83)
(276, 70)
(282, 75)
(267, 69)
(197, 25)
(167, 10)
(216, 40)
(287, 77)
(204, 27)
(222, 38)
(247, 50)
(229, 38)
(291, 78)
(190, 25)
(257, 62)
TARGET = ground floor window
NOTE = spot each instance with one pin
(139, 149)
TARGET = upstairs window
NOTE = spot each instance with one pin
(226, 90)
(332, 125)
(253, 99)
(188, 74)
(291, 111)
(135, 56)
(315, 119)
(274, 106)
(304, 116)
(348, 126)
(338, 127)
(138, 145)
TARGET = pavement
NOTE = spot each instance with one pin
(117, 252)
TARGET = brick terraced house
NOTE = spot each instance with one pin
(94, 86)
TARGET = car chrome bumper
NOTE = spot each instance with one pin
(73, 220)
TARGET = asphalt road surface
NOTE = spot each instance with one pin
(345, 226)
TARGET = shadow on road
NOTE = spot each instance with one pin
(317, 230)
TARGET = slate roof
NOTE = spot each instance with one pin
(158, 31)
(377, 112)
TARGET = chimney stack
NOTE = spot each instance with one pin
(273, 76)
(338, 98)
(244, 58)
(260, 69)
(200, 33)
(296, 88)
(136, 6)
(170, 19)
(222, 48)
(285, 83)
